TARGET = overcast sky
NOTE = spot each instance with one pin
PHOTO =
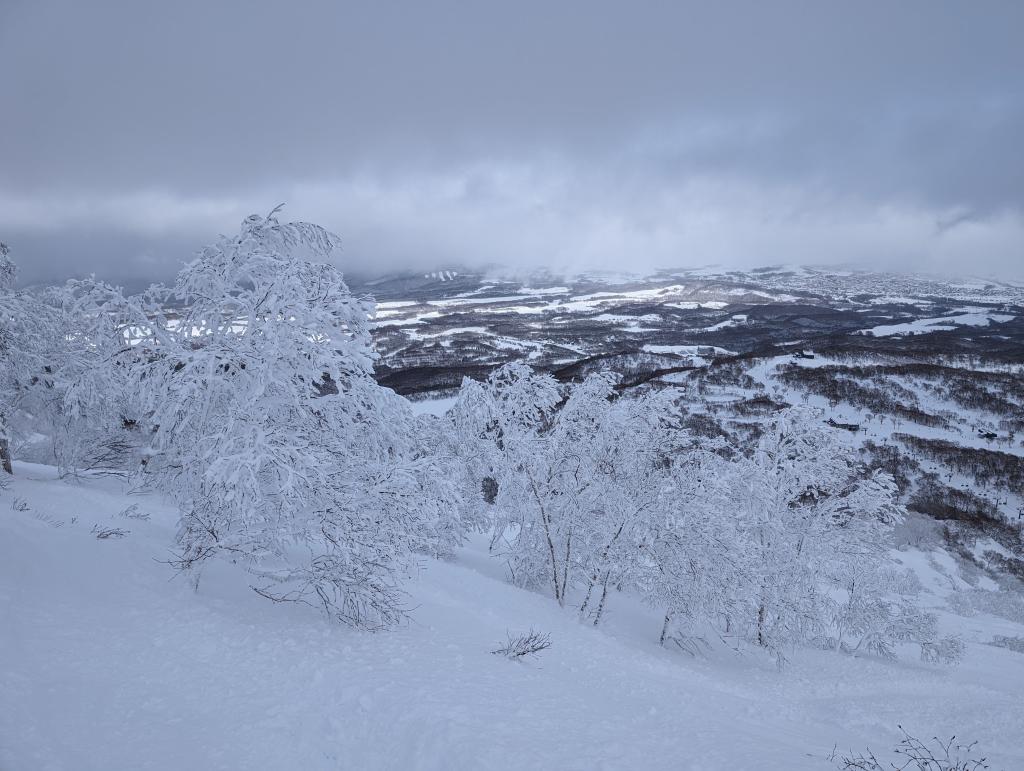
(431, 134)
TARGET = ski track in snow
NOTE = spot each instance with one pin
(109, 662)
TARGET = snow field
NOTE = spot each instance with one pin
(109, 662)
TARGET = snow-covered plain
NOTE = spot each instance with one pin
(107, 661)
(940, 324)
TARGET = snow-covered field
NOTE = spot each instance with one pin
(107, 661)
(969, 318)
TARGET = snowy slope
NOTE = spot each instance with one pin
(108, 662)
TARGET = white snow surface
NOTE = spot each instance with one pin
(109, 662)
(684, 350)
(938, 324)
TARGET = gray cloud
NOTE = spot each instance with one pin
(582, 133)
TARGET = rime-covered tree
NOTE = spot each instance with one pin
(34, 345)
(8, 351)
(797, 503)
(807, 528)
(632, 449)
(781, 544)
(505, 425)
(692, 568)
(577, 478)
(270, 432)
(83, 402)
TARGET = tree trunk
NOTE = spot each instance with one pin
(664, 630)
(600, 605)
(559, 590)
(586, 600)
(565, 566)
(5, 456)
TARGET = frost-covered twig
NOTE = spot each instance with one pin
(529, 644)
(939, 756)
(133, 512)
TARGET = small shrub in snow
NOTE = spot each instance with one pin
(133, 512)
(49, 519)
(104, 533)
(529, 644)
(948, 650)
(19, 504)
(1015, 644)
(915, 755)
(691, 644)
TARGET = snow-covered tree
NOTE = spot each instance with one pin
(84, 404)
(875, 610)
(8, 276)
(781, 544)
(255, 376)
(38, 348)
(505, 425)
(631, 455)
(577, 478)
(873, 601)
(693, 567)
(802, 513)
